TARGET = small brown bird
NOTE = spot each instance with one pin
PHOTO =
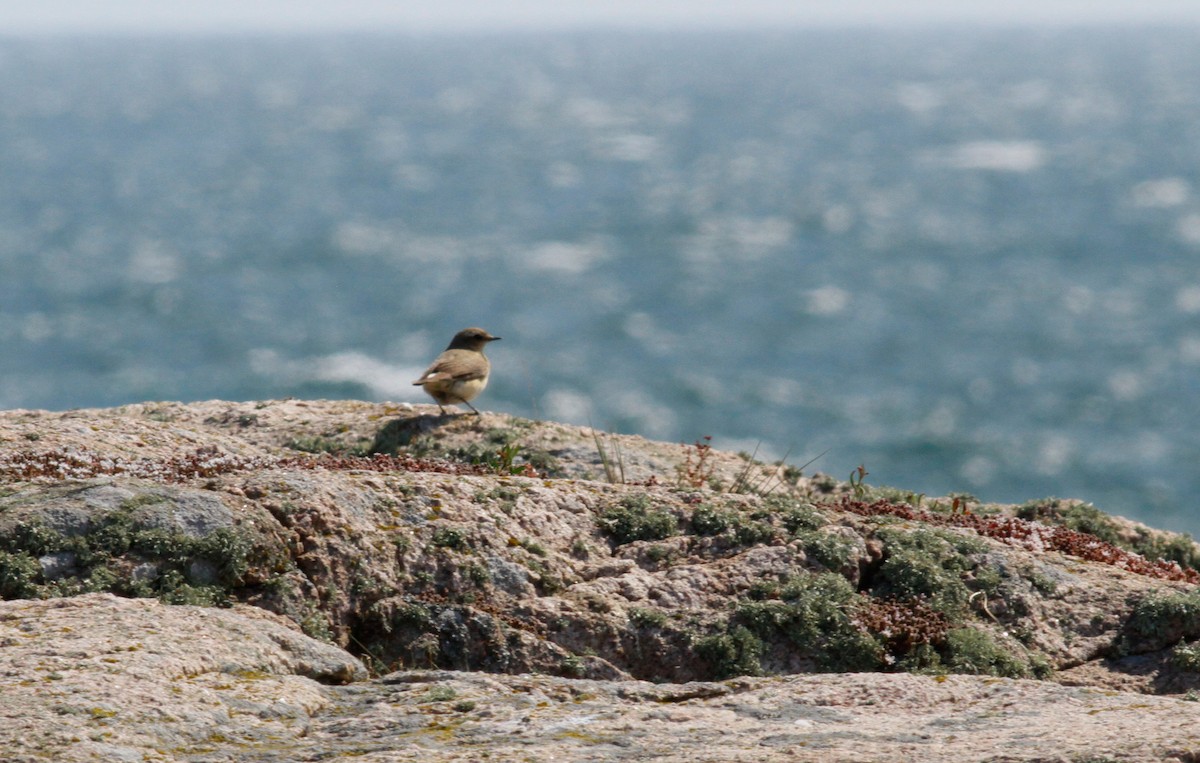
(461, 372)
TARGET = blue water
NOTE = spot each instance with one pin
(967, 259)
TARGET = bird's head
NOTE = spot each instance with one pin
(471, 339)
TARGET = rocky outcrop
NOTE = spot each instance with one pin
(490, 560)
(96, 677)
(101, 678)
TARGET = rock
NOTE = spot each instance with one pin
(55, 566)
(144, 572)
(96, 677)
(100, 678)
(200, 572)
(510, 577)
(486, 546)
(194, 513)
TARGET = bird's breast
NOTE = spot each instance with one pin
(467, 390)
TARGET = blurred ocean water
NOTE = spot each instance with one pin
(967, 259)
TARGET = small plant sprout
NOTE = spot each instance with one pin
(634, 518)
(696, 470)
(614, 472)
(960, 506)
(741, 483)
(504, 462)
(768, 484)
(856, 481)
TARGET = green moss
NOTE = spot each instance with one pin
(659, 552)
(734, 653)
(226, 548)
(504, 494)
(411, 614)
(19, 576)
(1040, 667)
(477, 574)
(440, 694)
(115, 544)
(32, 538)
(740, 529)
(831, 550)
(533, 547)
(450, 537)
(633, 519)
(761, 590)
(1160, 620)
(104, 578)
(177, 591)
(572, 666)
(1187, 657)
(142, 500)
(988, 580)
(708, 521)
(814, 614)
(973, 651)
(1043, 584)
(1083, 517)
(402, 543)
(315, 624)
(647, 618)
(927, 564)
(1178, 548)
(795, 515)
(750, 533)
(823, 618)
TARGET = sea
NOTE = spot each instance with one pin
(966, 259)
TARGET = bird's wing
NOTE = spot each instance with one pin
(454, 365)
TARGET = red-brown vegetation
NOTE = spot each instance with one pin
(1031, 535)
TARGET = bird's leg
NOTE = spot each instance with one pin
(464, 402)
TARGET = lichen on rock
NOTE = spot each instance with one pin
(495, 544)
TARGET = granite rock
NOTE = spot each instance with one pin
(531, 589)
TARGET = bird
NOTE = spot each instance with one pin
(461, 372)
